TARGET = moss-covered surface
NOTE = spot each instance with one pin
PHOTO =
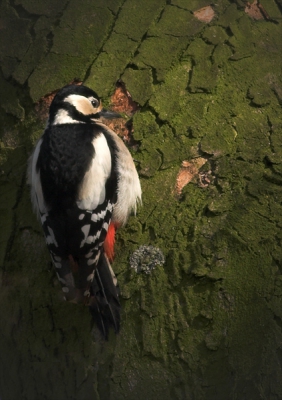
(208, 323)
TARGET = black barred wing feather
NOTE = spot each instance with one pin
(75, 240)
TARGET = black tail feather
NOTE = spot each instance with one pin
(104, 305)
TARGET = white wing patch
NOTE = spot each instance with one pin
(85, 230)
(92, 192)
(50, 239)
(106, 226)
(96, 217)
(94, 261)
(92, 239)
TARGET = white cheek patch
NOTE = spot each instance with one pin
(81, 103)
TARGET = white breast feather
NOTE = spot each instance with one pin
(92, 192)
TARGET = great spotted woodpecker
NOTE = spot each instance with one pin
(84, 185)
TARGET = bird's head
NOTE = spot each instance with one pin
(77, 104)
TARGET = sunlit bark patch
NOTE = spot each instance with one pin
(205, 14)
(122, 102)
(256, 10)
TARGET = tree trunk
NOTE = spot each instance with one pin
(207, 323)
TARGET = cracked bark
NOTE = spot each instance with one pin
(207, 324)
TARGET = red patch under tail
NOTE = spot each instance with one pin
(109, 242)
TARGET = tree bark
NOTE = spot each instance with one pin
(206, 324)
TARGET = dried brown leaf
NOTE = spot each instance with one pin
(188, 170)
(121, 101)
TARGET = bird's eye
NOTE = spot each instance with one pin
(95, 103)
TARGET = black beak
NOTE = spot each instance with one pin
(108, 114)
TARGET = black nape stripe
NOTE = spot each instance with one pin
(75, 114)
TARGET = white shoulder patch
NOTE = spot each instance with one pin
(92, 192)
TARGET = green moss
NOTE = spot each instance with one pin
(231, 14)
(9, 100)
(171, 95)
(31, 58)
(186, 25)
(40, 7)
(139, 84)
(199, 50)
(145, 125)
(55, 71)
(110, 64)
(203, 81)
(215, 35)
(74, 45)
(192, 6)
(221, 54)
(272, 8)
(6, 232)
(20, 38)
(135, 17)
(242, 39)
(219, 142)
(80, 36)
(151, 53)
